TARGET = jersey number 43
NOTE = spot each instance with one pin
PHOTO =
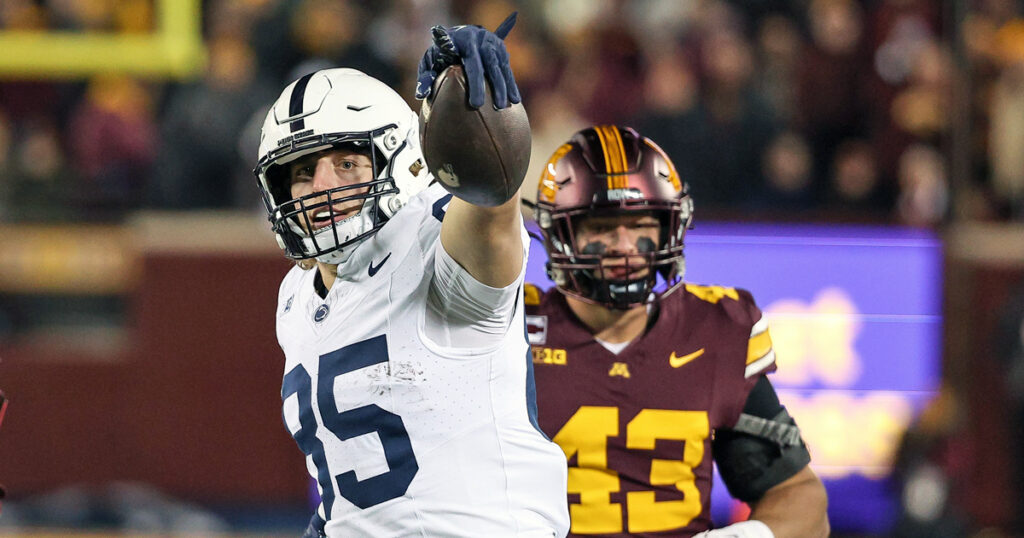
(586, 435)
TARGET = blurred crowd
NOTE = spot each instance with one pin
(828, 109)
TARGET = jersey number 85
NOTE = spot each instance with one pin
(349, 423)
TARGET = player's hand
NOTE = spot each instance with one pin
(481, 52)
(743, 529)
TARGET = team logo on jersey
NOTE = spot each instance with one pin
(676, 362)
(288, 305)
(321, 313)
(537, 330)
(620, 369)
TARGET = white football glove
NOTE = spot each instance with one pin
(743, 529)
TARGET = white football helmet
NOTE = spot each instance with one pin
(323, 110)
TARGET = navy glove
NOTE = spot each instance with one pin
(480, 52)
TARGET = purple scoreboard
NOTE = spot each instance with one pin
(855, 318)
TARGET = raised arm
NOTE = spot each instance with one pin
(485, 241)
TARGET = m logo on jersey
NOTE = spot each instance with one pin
(620, 369)
(537, 330)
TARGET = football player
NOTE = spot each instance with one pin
(407, 379)
(642, 379)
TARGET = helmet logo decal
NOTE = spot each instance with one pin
(295, 104)
(548, 187)
(321, 313)
(447, 175)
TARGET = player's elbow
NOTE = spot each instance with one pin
(819, 527)
(824, 529)
(817, 506)
(796, 508)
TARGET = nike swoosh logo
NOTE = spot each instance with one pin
(373, 270)
(676, 362)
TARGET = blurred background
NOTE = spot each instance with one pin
(857, 164)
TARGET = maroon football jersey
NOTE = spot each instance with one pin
(636, 427)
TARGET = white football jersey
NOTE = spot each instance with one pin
(404, 436)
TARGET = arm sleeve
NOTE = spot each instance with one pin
(763, 401)
(764, 448)
(464, 313)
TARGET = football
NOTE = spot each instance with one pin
(479, 155)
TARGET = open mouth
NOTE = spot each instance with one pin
(326, 216)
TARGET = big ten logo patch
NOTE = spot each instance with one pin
(547, 355)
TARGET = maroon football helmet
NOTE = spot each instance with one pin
(608, 171)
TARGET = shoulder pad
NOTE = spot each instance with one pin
(531, 294)
(712, 294)
(740, 303)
